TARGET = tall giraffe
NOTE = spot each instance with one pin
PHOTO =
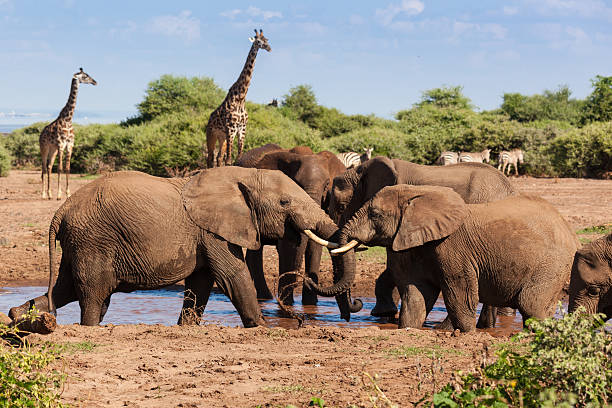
(230, 118)
(58, 136)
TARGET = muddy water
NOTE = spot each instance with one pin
(163, 306)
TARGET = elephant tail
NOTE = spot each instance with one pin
(53, 231)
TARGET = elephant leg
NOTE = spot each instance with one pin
(63, 293)
(254, 260)
(232, 277)
(197, 291)
(105, 306)
(488, 317)
(385, 305)
(94, 283)
(312, 265)
(290, 255)
(416, 304)
(461, 302)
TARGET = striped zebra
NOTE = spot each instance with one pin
(447, 158)
(352, 159)
(479, 157)
(507, 158)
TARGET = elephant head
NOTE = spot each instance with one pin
(591, 279)
(251, 206)
(400, 217)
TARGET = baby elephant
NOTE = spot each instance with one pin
(591, 281)
(514, 252)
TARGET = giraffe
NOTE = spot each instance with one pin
(58, 136)
(230, 118)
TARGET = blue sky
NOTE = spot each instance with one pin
(359, 56)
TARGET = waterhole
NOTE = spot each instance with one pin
(162, 307)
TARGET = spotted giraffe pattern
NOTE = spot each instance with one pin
(58, 136)
(230, 118)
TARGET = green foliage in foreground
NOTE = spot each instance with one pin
(5, 161)
(566, 362)
(25, 377)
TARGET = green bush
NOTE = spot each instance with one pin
(565, 362)
(5, 161)
(25, 377)
(23, 145)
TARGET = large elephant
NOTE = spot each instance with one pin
(474, 182)
(516, 252)
(314, 173)
(591, 280)
(129, 230)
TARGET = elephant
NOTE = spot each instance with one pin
(129, 231)
(591, 278)
(474, 182)
(515, 252)
(314, 173)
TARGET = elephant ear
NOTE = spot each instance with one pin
(427, 213)
(376, 174)
(218, 202)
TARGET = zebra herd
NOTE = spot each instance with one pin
(505, 159)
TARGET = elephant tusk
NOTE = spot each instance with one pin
(320, 240)
(352, 244)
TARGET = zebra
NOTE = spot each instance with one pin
(447, 158)
(352, 159)
(507, 158)
(479, 157)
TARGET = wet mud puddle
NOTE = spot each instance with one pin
(163, 307)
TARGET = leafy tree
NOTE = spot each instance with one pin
(445, 97)
(302, 104)
(598, 106)
(550, 105)
(174, 94)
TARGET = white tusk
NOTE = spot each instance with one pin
(319, 240)
(352, 244)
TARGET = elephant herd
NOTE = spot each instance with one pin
(460, 230)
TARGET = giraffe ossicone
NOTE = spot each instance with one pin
(58, 136)
(230, 118)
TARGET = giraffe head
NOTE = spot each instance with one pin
(260, 41)
(84, 78)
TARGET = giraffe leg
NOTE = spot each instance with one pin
(50, 161)
(44, 157)
(211, 141)
(228, 151)
(67, 169)
(241, 134)
(59, 174)
(221, 152)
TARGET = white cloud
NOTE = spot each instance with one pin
(408, 7)
(578, 36)
(183, 26)
(510, 11)
(461, 28)
(583, 8)
(252, 12)
(312, 28)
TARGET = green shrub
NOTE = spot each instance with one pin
(565, 362)
(23, 145)
(25, 377)
(5, 161)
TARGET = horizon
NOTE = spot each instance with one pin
(359, 57)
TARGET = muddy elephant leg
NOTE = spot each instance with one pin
(197, 291)
(63, 293)
(105, 306)
(290, 255)
(254, 260)
(312, 265)
(461, 302)
(385, 305)
(232, 277)
(417, 302)
(488, 317)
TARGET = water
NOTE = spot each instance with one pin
(163, 306)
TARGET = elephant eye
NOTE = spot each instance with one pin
(285, 201)
(593, 290)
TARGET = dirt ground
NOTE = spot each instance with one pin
(158, 366)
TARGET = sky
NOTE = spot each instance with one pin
(358, 56)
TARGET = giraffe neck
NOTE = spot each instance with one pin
(68, 109)
(239, 90)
